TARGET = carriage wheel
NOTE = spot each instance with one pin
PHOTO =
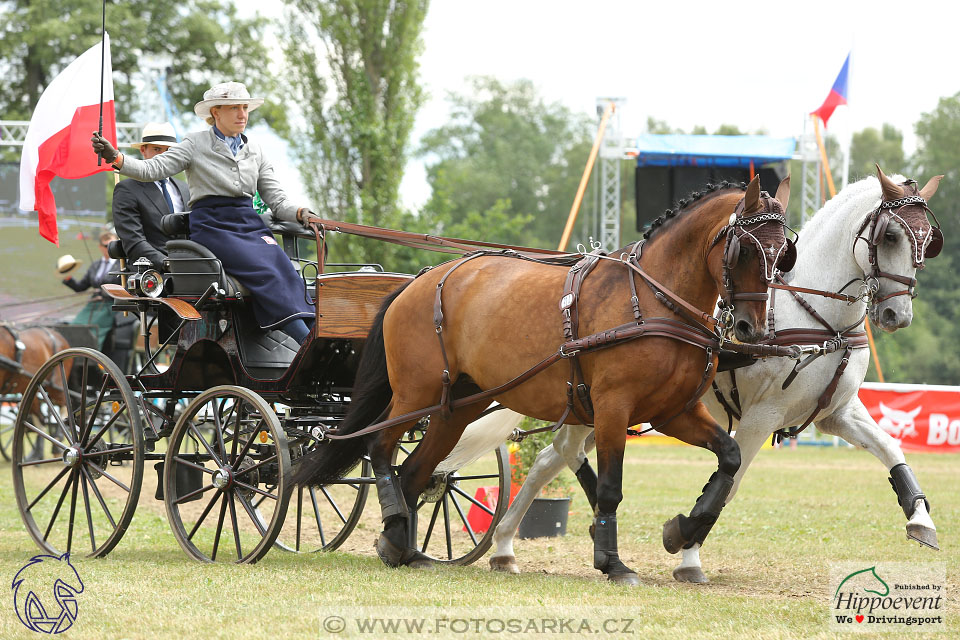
(226, 454)
(447, 530)
(321, 518)
(85, 490)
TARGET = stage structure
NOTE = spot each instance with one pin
(673, 165)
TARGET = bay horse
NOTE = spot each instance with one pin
(829, 259)
(498, 318)
(23, 350)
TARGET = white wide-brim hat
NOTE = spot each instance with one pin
(66, 263)
(158, 133)
(225, 93)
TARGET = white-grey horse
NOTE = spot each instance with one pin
(830, 257)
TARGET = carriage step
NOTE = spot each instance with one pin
(188, 480)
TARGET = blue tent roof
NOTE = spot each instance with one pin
(675, 150)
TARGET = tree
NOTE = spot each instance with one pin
(353, 67)
(507, 165)
(205, 41)
(870, 146)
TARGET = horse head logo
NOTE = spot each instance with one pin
(898, 424)
(43, 581)
(863, 579)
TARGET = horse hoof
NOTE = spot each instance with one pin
(630, 579)
(417, 560)
(690, 574)
(673, 540)
(389, 553)
(506, 564)
(924, 535)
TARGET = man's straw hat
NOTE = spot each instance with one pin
(66, 263)
(158, 133)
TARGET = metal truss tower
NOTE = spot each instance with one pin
(12, 133)
(807, 152)
(611, 153)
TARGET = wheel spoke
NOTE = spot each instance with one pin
(248, 487)
(86, 505)
(190, 495)
(194, 465)
(202, 516)
(87, 428)
(33, 462)
(233, 522)
(96, 492)
(216, 538)
(48, 487)
(485, 476)
(473, 500)
(108, 452)
(252, 514)
(246, 448)
(66, 399)
(73, 509)
(106, 426)
(299, 514)
(56, 414)
(257, 466)
(203, 441)
(238, 410)
(446, 526)
(83, 402)
(333, 503)
(53, 518)
(218, 427)
(44, 434)
(433, 521)
(107, 475)
(466, 523)
(316, 513)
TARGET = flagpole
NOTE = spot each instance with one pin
(103, 54)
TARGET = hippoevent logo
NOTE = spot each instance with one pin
(888, 597)
(45, 594)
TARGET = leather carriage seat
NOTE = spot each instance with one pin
(190, 265)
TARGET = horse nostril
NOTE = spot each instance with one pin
(743, 328)
(888, 317)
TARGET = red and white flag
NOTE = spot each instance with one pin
(58, 139)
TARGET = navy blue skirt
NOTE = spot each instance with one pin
(233, 231)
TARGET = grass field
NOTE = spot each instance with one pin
(768, 560)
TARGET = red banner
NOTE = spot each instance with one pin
(919, 417)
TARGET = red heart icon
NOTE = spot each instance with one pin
(859, 618)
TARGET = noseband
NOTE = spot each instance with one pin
(927, 240)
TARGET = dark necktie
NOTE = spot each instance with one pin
(166, 194)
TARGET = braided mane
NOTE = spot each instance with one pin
(655, 227)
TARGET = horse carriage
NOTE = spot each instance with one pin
(237, 408)
(223, 422)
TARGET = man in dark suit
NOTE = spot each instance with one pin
(139, 206)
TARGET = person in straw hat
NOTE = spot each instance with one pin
(98, 311)
(224, 170)
(139, 206)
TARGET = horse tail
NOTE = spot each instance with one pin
(371, 396)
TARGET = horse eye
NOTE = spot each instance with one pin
(889, 236)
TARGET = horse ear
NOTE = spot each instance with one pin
(751, 200)
(783, 192)
(891, 190)
(930, 188)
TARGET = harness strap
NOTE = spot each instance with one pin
(570, 311)
(822, 403)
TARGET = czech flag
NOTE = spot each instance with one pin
(58, 138)
(837, 95)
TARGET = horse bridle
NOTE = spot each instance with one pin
(927, 241)
(772, 257)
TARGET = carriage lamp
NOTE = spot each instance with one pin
(147, 281)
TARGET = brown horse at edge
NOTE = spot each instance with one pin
(500, 318)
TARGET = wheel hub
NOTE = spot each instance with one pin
(434, 489)
(72, 456)
(222, 478)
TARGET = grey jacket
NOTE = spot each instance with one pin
(212, 170)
